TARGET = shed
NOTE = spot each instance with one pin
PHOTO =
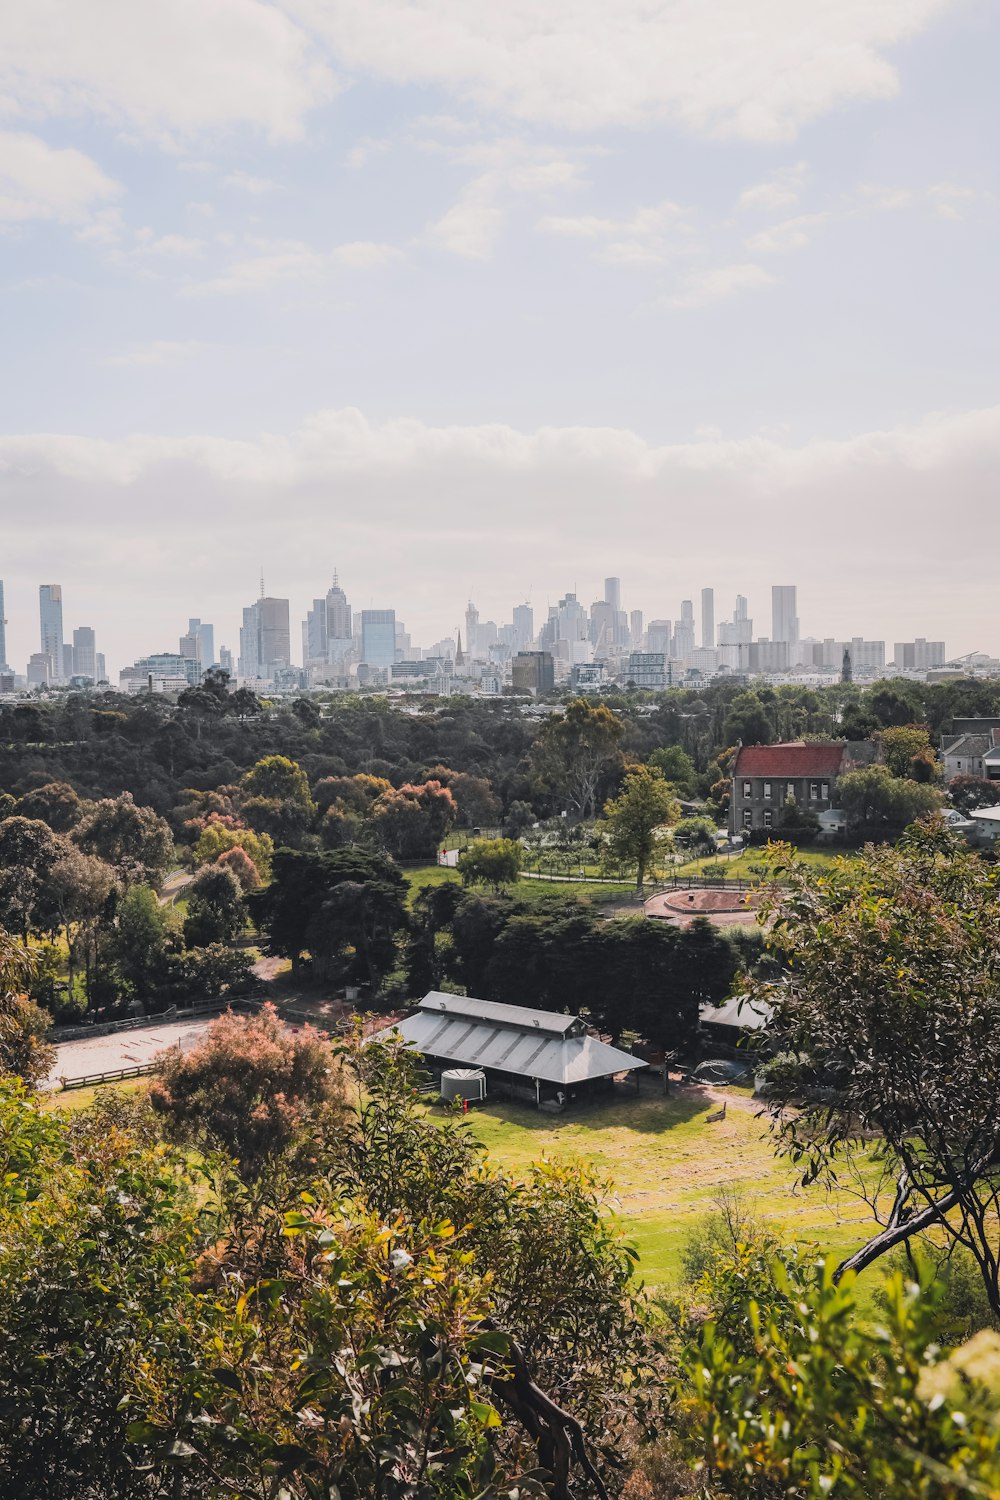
(533, 1055)
(726, 1026)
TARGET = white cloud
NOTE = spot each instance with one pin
(788, 235)
(471, 226)
(266, 493)
(164, 68)
(159, 352)
(779, 190)
(171, 246)
(720, 69)
(245, 182)
(282, 261)
(716, 283)
(644, 238)
(39, 181)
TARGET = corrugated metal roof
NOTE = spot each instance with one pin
(523, 1050)
(501, 1015)
(739, 1012)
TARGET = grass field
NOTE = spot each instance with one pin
(667, 1164)
(530, 891)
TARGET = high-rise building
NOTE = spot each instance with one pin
(265, 639)
(708, 619)
(613, 592)
(533, 672)
(919, 655)
(51, 619)
(3, 630)
(198, 645)
(338, 617)
(226, 659)
(602, 625)
(524, 626)
(314, 634)
(683, 642)
(378, 637)
(100, 667)
(85, 653)
(471, 630)
(635, 630)
(784, 619)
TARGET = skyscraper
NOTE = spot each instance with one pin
(199, 644)
(84, 653)
(378, 637)
(784, 620)
(524, 626)
(265, 638)
(51, 619)
(613, 592)
(3, 630)
(708, 619)
(472, 630)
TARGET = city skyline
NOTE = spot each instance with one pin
(493, 293)
(330, 631)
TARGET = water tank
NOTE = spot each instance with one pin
(463, 1083)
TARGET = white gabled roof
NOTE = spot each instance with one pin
(511, 1039)
(739, 1012)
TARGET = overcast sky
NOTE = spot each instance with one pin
(464, 297)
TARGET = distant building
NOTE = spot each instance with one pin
(588, 677)
(613, 593)
(784, 614)
(265, 639)
(768, 777)
(533, 672)
(3, 631)
(708, 619)
(647, 670)
(199, 644)
(50, 613)
(962, 754)
(40, 669)
(768, 656)
(85, 653)
(524, 626)
(160, 672)
(919, 655)
(378, 637)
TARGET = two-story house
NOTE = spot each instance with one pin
(767, 777)
(964, 752)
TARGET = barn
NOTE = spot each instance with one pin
(533, 1056)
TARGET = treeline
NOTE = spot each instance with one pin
(103, 743)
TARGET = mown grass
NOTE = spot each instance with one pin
(667, 1164)
(531, 891)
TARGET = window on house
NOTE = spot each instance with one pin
(767, 789)
(814, 790)
(746, 789)
(768, 817)
(747, 818)
(790, 789)
(958, 764)
(826, 791)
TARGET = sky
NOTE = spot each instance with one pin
(475, 300)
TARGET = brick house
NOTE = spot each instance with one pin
(766, 777)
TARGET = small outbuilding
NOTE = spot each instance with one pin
(534, 1056)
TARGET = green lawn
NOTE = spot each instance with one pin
(528, 890)
(747, 864)
(667, 1164)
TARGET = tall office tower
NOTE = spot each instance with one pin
(683, 642)
(572, 616)
(378, 637)
(204, 635)
(314, 634)
(635, 629)
(613, 592)
(784, 620)
(3, 630)
(687, 613)
(50, 616)
(658, 636)
(265, 638)
(85, 653)
(708, 619)
(524, 626)
(226, 659)
(471, 631)
(338, 614)
(602, 625)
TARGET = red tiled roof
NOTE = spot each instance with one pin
(795, 759)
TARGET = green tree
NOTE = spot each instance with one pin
(411, 822)
(216, 839)
(875, 801)
(575, 750)
(288, 912)
(29, 851)
(633, 820)
(492, 862)
(216, 912)
(900, 747)
(888, 995)
(675, 766)
(133, 840)
(56, 803)
(25, 1051)
(139, 944)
